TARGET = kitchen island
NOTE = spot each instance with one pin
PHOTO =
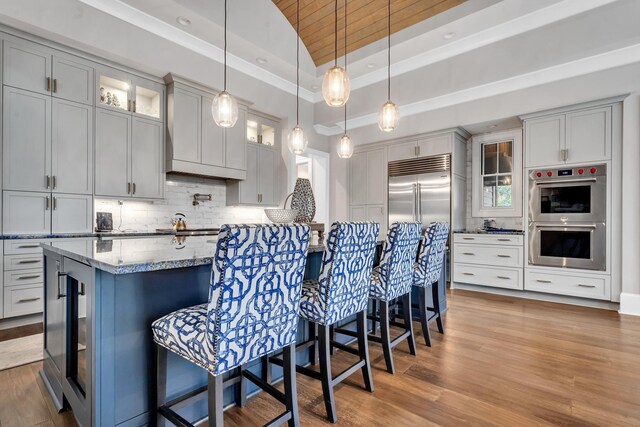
(101, 297)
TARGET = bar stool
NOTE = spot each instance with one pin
(253, 310)
(392, 279)
(342, 290)
(428, 269)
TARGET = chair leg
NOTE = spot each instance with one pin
(424, 316)
(290, 390)
(363, 349)
(325, 372)
(313, 350)
(435, 291)
(386, 339)
(160, 393)
(241, 388)
(374, 312)
(332, 334)
(408, 321)
(216, 404)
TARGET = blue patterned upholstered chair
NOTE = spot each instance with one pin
(393, 279)
(428, 270)
(253, 309)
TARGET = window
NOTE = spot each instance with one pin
(497, 174)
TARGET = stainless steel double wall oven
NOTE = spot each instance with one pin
(567, 217)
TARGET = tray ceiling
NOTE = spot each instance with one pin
(367, 21)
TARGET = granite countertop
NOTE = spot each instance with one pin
(501, 232)
(124, 256)
(106, 234)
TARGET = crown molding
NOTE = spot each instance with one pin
(153, 25)
(328, 130)
(592, 64)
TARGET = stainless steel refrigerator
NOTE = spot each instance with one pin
(420, 190)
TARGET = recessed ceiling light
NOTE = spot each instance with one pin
(371, 65)
(183, 21)
(448, 36)
(261, 60)
(493, 126)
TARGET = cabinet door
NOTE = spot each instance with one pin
(405, 150)
(184, 132)
(376, 214)
(113, 90)
(71, 213)
(589, 135)
(113, 156)
(212, 137)
(267, 176)
(358, 213)
(72, 147)
(376, 177)
(72, 79)
(358, 179)
(148, 99)
(435, 145)
(26, 213)
(27, 140)
(27, 66)
(236, 143)
(544, 138)
(147, 150)
(249, 187)
(54, 326)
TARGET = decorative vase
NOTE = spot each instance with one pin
(303, 201)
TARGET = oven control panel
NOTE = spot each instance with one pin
(568, 173)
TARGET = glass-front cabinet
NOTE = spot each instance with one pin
(261, 130)
(128, 93)
(497, 174)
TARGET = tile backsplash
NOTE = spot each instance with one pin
(178, 197)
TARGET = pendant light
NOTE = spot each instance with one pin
(224, 108)
(297, 141)
(345, 145)
(335, 84)
(388, 116)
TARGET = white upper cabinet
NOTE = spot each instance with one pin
(26, 212)
(147, 159)
(267, 177)
(71, 147)
(569, 137)
(403, 151)
(26, 140)
(424, 147)
(113, 156)
(213, 144)
(260, 187)
(186, 116)
(72, 79)
(124, 92)
(236, 143)
(358, 179)
(27, 66)
(376, 177)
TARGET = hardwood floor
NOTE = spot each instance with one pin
(20, 331)
(503, 361)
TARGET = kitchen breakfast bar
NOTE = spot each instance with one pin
(101, 296)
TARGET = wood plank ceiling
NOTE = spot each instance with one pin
(367, 21)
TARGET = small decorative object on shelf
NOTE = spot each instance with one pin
(303, 200)
(281, 216)
(103, 96)
(108, 98)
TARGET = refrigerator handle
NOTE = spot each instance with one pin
(419, 203)
(415, 201)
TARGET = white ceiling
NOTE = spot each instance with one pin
(500, 48)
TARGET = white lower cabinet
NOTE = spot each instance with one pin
(71, 213)
(489, 260)
(567, 282)
(23, 277)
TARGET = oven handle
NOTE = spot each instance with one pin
(568, 181)
(593, 226)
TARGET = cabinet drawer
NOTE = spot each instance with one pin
(22, 300)
(509, 278)
(572, 285)
(23, 246)
(489, 239)
(23, 262)
(501, 256)
(24, 277)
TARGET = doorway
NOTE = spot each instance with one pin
(314, 165)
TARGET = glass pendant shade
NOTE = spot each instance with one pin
(388, 117)
(345, 147)
(297, 140)
(224, 110)
(336, 86)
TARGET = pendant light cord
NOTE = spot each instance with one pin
(345, 60)
(389, 50)
(298, 62)
(335, 34)
(225, 45)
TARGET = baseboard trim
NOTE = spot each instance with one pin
(14, 322)
(629, 304)
(539, 296)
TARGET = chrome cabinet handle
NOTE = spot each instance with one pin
(543, 281)
(134, 106)
(55, 181)
(55, 203)
(504, 256)
(504, 277)
(129, 105)
(28, 299)
(55, 85)
(48, 84)
(61, 275)
(28, 246)
(586, 286)
(48, 181)
(133, 186)
(128, 188)
(47, 203)
(468, 253)
(29, 261)
(504, 240)
(468, 274)
(35, 276)
(468, 238)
